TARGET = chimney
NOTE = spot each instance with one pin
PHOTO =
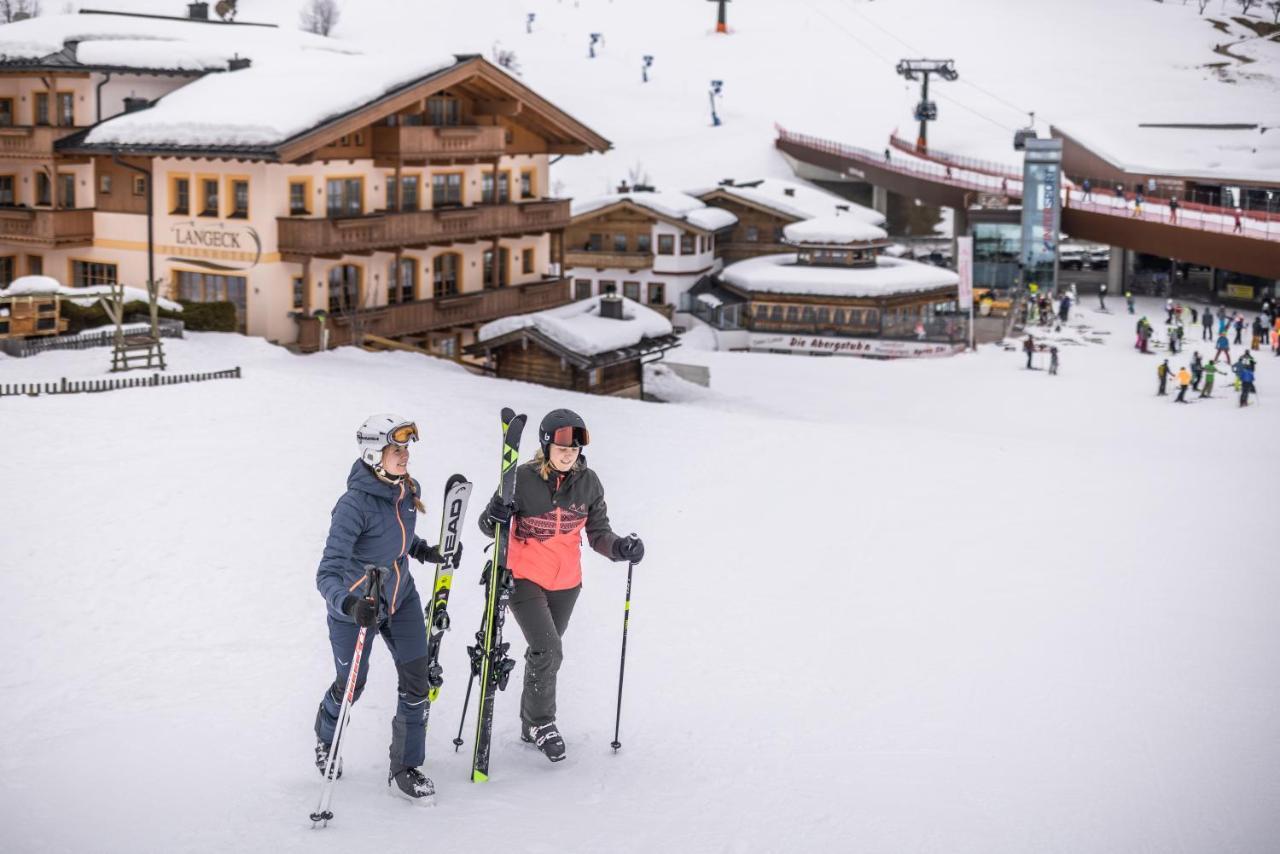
(611, 307)
(238, 62)
(198, 11)
(623, 188)
(788, 191)
(133, 103)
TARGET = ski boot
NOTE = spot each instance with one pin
(322, 759)
(546, 738)
(411, 784)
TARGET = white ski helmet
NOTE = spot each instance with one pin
(381, 430)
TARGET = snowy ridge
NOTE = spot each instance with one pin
(833, 229)
(780, 274)
(86, 296)
(668, 203)
(579, 327)
(793, 198)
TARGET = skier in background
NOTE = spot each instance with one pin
(373, 523)
(1238, 324)
(1224, 348)
(1197, 370)
(1246, 382)
(1162, 374)
(1210, 371)
(1128, 298)
(1207, 318)
(1184, 382)
(1102, 296)
(557, 499)
(1053, 361)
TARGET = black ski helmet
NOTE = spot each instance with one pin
(558, 420)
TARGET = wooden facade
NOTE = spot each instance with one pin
(896, 316)
(22, 317)
(758, 232)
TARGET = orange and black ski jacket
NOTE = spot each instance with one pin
(546, 539)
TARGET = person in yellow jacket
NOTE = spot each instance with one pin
(1184, 382)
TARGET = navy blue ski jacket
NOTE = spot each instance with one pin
(372, 523)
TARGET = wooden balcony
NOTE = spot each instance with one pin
(422, 143)
(302, 238)
(25, 141)
(47, 228)
(608, 260)
(412, 318)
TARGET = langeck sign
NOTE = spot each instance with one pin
(238, 244)
(875, 347)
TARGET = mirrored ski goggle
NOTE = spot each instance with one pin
(403, 434)
(571, 437)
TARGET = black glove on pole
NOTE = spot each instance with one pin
(626, 620)
(363, 611)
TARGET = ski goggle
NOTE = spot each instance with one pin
(571, 437)
(403, 434)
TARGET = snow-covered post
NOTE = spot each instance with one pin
(964, 268)
(591, 47)
(528, 22)
(716, 87)
(722, 25)
(644, 69)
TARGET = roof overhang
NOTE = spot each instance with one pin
(583, 361)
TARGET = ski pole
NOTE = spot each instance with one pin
(322, 812)
(457, 741)
(622, 664)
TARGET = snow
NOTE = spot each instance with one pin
(1013, 641)
(1181, 151)
(669, 204)
(796, 199)
(86, 296)
(833, 229)
(579, 327)
(780, 274)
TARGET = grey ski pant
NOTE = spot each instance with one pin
(405, 634)
(543, 616)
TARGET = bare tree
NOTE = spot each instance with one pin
(319, 16)
(504, 58)
(18, 10)
(1246, 5)
(1202, 4)
(1274, 6)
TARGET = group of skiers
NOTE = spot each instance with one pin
(1030, 347)
(1190, 377)
(557, 499)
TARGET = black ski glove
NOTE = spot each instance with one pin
(630, 549)
(424, 553)
(363, 611)
(499, 512)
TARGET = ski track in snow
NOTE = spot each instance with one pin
(946, 605)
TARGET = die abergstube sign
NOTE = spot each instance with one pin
(878, 347)
(216, 245)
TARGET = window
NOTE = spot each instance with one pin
(7, 191)
(631, 290)
(753, 234)
(526, 184)
(686, 244)
(402, 281)
(824, 315)
(344, 288)
(104, 185)
(239, 198)
(582, 289)
(644, 243)
(838, 318)
(66, 109)
(139, 186)
(299, 292)
(595, 243)
(346, 196)
(35, 265)
(657, 293)
(594, 376)
(526, 262)
(486, 188)
(44, 189)
(775, 313)
(666, 244)
(66, 190)
(42, 108)
(793, 313)
(6, 270)
(443, 111)
(405, 198)
(446, 189)
(608, 287)
(702, 243)
(212, 287)
(761, 311)
(299, 198)
(87, 273)
(6, 112)
(208, 197)
(619, 243)
(180, 196)
(445, 274)
(496, 277)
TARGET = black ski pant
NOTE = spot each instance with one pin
(1163, 380)
(1182, 395)
(543, 616)
(1207, 329)
(405, 634)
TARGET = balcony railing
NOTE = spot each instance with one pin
(28, 141)
(411, 318)
(392, 229)
(47, 228)
(603, 259)
(422, 142)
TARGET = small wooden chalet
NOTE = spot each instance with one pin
(598, 346)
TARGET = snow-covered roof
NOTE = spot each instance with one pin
(833, 229)
(40, 285)
(780, 274)
(279, 96)
(794, 199)
(1216, 153)
(672, 205)
(145, 43)
(578, 326)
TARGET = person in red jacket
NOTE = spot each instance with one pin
(557, 499)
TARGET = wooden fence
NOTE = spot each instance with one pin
(22, 347)
(77, 386)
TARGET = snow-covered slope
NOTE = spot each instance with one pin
(955, 606)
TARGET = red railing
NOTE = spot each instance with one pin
(958, 161)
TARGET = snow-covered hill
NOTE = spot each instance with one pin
(948, 606)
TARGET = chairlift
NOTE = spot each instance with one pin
(1021, 135)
